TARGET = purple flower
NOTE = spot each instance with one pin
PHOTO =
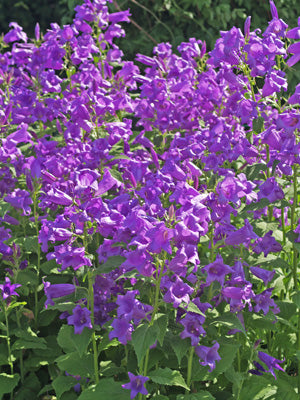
(57, 290)
(131, 308)
(80, 319)
(242, 235)
(20, 199)
(294, 49)
(217, 270)
(122, 330)
(8, 289)
(177, 290)
(192, 327)
(267, 244)
(263, 274)
(136, 385)
(209, 355)
(264, 302)
(270, 362)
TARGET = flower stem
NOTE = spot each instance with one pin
(21, 351)
(94, 340)
(190, 367)
(8, 340)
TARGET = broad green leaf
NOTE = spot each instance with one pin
(76, 365)
(167, 376)
(105, 390)
(230, 320)
(201, 395)
(142, 338)
(161, 320)
(227, 353)
(116, 174)
(109, 368)
(296, 299)
(62, 384)
(257, 124)
(257, 205)
(21, 344)
(68, 340)
(8, 383)
(29, 389)
(257, 388)
(180, 346)
(193, 308)
(105, 343)
(28, 277)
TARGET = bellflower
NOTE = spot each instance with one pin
(80, 319)
(209, 355)
(57, 290)
(270, 362)
(136, 385)
(8, 289)
(217, 270)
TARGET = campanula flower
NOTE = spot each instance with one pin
(136, 385)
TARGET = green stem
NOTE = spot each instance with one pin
(94, 340)
(8, 340)
(38, 251)
(293, 214)
(21, 351)
(190, 367)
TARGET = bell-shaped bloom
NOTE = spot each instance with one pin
(263, 274)
(57, 290)
(192, 327)
(80, 319)
(217, 270)
(136, 385)
(209, 355)
(9, 289)
(122, 330)
(270, 362)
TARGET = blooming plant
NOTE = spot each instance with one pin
(149, 220)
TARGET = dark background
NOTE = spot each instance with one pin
(157, 21)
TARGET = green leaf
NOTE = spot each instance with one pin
(257, 388)
(76, 365)
(180, 346)
(143, 337)
(227, 353)
(257, 124)
(230, 320)
(111, 264)
(106, 389)
(28, 277)
(29, 389)
(105, 343)
(161, 320)
(69, 341)
(62, 384)
(167, 376)
(116, 174)
(21, 344)
(296, 299)
(8, 383)
(257, 205)
(201, 395)
(192, 308)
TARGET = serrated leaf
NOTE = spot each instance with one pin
(230, 320)
(105, 343)
(21, 344)
(179, 346)
(68, 340)
(257, 205)
(62, 384)
(143, 337)
(161, 320)
(296, 299)
(106, 389)
(76, 365)
(29, 389)
(8, 383)
(169, 377)
(257, 124)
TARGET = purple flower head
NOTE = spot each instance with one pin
(130, 308)
(217, 270)
(15, 34)
(177, 290)
(192, 327)
(273, 9)
(239, 296)
(293, 49)
(69, 256)
(264, 302)
(122, 330)
(8, 289)
(20, 199)
(160, 238)
(136, 385)
(267, 244)
(259, 369)
(247, 27)
(80, 319)
(263, 274)
(270, 362)
(57, 290)
(242, 235)
(209, 355)
(275, 81)
(295, 32)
